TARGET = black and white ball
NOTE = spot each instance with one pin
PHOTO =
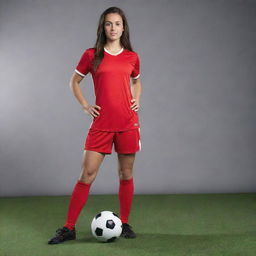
(106, 226)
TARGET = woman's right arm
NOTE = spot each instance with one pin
(75, 87)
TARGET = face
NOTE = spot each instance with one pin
(113, 26)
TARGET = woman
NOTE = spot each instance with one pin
(112, 63)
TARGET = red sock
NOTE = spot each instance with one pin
(126, 189)
(77, 202)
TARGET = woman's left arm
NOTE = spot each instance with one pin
(136, 92)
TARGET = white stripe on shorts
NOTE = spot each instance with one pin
(139, 141)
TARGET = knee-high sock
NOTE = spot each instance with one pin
(126, 190)
(77, 202)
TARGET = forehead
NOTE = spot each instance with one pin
(113, 17)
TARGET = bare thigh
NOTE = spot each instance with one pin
(90, 165)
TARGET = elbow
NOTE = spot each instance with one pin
(73, 84)
(71, 81)
(75, 80)
(71, 87)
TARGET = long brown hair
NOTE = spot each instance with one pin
(102, 39)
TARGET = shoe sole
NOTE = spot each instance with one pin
(128, 236)
(63, 241)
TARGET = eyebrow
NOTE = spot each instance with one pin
(114, 21)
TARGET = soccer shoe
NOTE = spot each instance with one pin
(127, 231)
(63, 234)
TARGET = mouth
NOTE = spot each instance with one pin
(113, 34)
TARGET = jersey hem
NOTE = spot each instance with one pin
(107, 130)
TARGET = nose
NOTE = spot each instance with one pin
(113, 26)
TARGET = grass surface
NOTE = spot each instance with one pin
(175, 225)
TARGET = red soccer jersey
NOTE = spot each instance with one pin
(112, 88)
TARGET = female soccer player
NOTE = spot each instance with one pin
(112, 63)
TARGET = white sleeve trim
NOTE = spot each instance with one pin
(79, 72)
(136, 77)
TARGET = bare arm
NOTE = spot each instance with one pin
(75, 87)
(74, 84)
(136, 88)
(136, 93)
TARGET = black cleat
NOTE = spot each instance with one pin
(63, 234)
(127, 231)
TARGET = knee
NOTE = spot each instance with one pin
(88, 176)
(125, 174)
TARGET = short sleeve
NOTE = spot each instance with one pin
(136, 70)
(84, 64)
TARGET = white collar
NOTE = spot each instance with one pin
(113, 53)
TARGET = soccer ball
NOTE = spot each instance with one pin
(106, 226)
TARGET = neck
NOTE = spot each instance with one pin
(113, 46)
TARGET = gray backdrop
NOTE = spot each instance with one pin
(197, 106)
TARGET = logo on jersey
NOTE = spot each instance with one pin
(136, 124)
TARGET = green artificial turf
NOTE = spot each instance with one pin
(175, 225)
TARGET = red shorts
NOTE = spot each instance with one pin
(126, 142)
